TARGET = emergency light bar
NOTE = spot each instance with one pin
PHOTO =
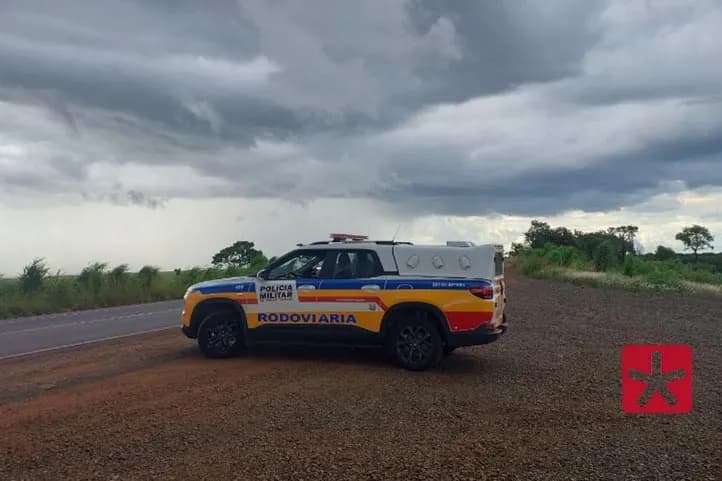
(343, 237)
(459, 244)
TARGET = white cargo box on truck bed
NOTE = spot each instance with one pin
(468, 262)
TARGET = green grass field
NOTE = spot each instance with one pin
(97, 287)
(634, 273)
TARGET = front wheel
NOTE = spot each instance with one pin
(220, 335)
(416, 344)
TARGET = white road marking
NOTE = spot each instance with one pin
(82, 343)
(89, 321)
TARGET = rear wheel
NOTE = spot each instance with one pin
(221, 335)
(416, 343)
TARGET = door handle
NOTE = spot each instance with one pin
(307, 287)
(371, 287)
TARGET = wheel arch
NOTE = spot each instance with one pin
(393, 313)
(206, 307)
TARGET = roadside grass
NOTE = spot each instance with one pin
(635, 273)
(97, 286)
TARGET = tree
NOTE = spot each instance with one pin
(562, 236)
(538, 234)
(605, 255)
(516, 248)
(589, 242)
(664, 253)
(119, 274)
(695, 238)
(147, 274)
(259, 262)
(91, 277)
(627, 233)
(31, 280)
(241, 254)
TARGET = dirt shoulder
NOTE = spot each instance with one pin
(542, 403)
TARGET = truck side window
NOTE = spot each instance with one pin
(368, 265)
(351, 264)
(304, 264)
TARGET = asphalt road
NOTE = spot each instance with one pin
(44, 333)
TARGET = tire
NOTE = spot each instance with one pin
(221, 335)
(416, 343)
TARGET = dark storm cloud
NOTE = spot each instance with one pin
(436, 107)
(179, 92)
(508, 43)
(549, 191)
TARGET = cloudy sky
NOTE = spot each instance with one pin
(160, 131)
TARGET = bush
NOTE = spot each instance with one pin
(561, 255)
(233, 271)
(60, 292)
(606, 251)
(663, 279)
(705, 276)
(581, 263)
(517, 248)
(664, 253)
(212, 273)
(191, 276)
(635, 266)
(37, 293)
(146, 276)
(92, 277)
(605, 256)
(531, 265)
(31, 280)
(119, 274)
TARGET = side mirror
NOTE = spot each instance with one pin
(262, 274)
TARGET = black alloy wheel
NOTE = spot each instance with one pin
(221, 335)
(417, 344)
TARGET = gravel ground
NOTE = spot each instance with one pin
(542, 403)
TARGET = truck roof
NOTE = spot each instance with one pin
(460, 259)
(358, 240)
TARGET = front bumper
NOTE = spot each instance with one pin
(190, 333)
(477, 337)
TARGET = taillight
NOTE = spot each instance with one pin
(483, 292)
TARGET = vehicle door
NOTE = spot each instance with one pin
(286, 296)
(350, 296)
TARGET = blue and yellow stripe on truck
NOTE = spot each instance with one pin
(336, 301)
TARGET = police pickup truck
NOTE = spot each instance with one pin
(418, 302)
